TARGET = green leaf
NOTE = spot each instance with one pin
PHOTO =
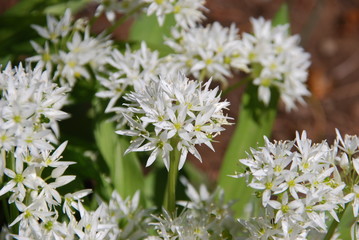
(282, 15)
(195, 176)
(125, 170)
(346, 223)
(60, 8)
(255, 121)
(24, 7)
(146, 28)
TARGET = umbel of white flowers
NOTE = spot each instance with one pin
(31, 172)
(173, 112)
(29, 110)
(301, 184)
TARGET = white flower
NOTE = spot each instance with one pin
(72, 201)
(55, 28)
(286, 211)
(205, 216)
(20, 178)
(209, 51)
(276, 61)
(131, 68)
(30, 215)
(174, 106)
(299, 182)
(111, 7)
(29, 108)
(70, 50)
(187, 13)
(349, 145)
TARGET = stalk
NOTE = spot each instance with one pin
(335, 224)
(202, 75)
(170, 195)
(3, 162)
(124, 18)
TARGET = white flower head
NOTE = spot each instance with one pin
(276, 61)
(70, 50)
(181, 112)
(209, 51)
(29, 109)
(186, 12)
(299, 183)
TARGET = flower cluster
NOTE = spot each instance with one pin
(206, 216)
(129, 71)
(29, 110)
(300, 188)
(113, 7)
(186, 12)
(31, 172)
(69, 49)
(270, 56)
(276, 61)
(209, 51)
(173, 113)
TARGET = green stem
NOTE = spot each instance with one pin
(335, 224)
(94, 19)
(236, 85)
(202, 75)
(3, 159)
(124, 18)
(170, 196)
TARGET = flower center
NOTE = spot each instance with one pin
(19, 178)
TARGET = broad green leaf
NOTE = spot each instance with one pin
(125, 170)
(282, 15)
(254, 122)
(60, 8)
(24, 7)
(146, 28)
(346, 223)
(195, 176)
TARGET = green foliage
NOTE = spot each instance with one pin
(146, 28)
(15, 25)
(124, 170)
(255, 120)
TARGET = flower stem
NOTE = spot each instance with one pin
(2, 165)
(202, 75)
(170, 196)
(236, 85)
(335, 224)
(124, 18)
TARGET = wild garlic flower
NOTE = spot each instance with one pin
(173, 112)
(67, 55)
(129, 70)
(186, 12)
(34, 191)
(210, 51)
(300, 182)
(276, 61)
(29, 109)
(113, 7)
(33, 188)
(205, 216)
